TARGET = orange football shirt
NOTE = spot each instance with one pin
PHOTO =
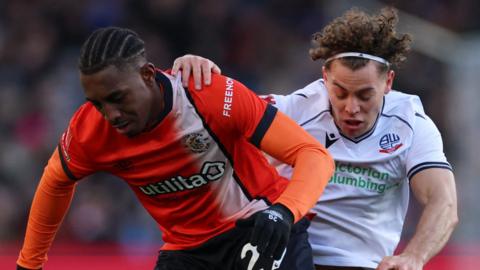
(196, 172)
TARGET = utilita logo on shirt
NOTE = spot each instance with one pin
(389, 143)
(211, 171)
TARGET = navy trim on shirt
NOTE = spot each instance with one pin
(313, 118)
(302, 95)
(399, 118)
(263, 125)
(427, 165)
(165, 83)
(419, 115)
(64, 165)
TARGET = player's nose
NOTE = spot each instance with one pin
(111, 113)
(352, 106)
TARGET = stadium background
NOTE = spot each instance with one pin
(261, 43)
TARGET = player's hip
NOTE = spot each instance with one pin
(232, 250)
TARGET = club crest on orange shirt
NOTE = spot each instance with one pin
(196, 142)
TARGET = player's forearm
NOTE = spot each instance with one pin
(312, 164)
(312, 171)
(436, 224)
(49, 206)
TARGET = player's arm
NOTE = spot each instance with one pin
(432, 183)
(434, 188)
(249, 117)
(312, 164)
(312, 168)
(277, 135)
(50, 203)
(284, 140)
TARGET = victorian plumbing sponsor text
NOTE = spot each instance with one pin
(361, 177)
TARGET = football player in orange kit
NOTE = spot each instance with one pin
(192, 158)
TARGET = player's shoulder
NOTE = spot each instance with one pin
(313, 92)
(399, 101)
(403, 106)
(303, 103)
(218, 81)
(85, 115)
(220, 87)
(87, 123)
(224, 96)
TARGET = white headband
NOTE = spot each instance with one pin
(359, 55)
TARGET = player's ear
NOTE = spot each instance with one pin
(324, 73)
(389, 82)
(147, 71)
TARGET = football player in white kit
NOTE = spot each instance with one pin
(382, 141)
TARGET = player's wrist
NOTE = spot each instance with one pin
(285, 213)
(417, 257)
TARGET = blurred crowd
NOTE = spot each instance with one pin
(264, 44)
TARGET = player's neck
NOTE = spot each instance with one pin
(158, 107)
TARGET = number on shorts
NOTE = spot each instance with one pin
(276, 264)
(255, 255)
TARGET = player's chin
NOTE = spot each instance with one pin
(132, 131)
(132, 134)
(351, 131)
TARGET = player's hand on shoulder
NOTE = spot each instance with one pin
(400, 262)
(198, 66)
(271, 230)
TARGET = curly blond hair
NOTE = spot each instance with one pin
(356, 31)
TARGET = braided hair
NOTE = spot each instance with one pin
(110, 46)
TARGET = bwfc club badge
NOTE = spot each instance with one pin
(389, 143)
(196, 142)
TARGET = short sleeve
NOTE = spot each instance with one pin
(427, 147)
(303, 104)
(234, 107)
(73, 156)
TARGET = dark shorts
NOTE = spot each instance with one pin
(232, 250)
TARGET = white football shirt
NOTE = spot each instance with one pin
(359, 217)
